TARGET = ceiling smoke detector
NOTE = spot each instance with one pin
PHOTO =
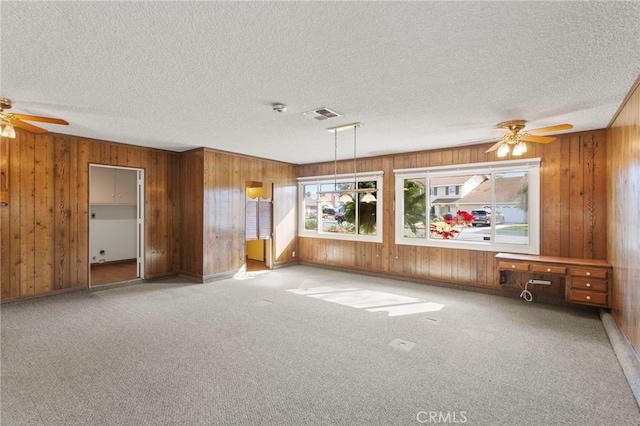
(322, 114)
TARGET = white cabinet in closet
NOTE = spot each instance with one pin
(113, 186)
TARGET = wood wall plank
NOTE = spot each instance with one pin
(12, 221)
(82, 237)
(551, 183)
(27, 208)
(5, 226)
(44, 223)
(623, 189)
(192, 177)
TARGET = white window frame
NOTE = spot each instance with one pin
(344, 178)
(532, 166)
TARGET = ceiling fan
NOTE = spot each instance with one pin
(9, 120)
(514, 137)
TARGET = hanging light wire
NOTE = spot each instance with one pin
(335, 159)
(346, 198)
(368, 197)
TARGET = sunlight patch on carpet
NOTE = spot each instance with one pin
(318, 290)
(365, 298)
(415, 308)
(373, 301)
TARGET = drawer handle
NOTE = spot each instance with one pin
(588, 274)
(588, 284)
(513, 266)
(548, 269)
(588, 297)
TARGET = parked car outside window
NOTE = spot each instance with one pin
(328, 212)
(483, 217)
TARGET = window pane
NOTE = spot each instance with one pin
(415, 207)
(366, 210)
(343, 220)
(451, 215)
(480, 206)
(326, 209)
(342, 213)
(310, 204)
(512, 208)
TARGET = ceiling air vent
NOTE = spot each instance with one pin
(322, 114)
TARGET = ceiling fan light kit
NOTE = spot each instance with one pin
(8, 131)
(514, 137)
(520, 148)
(503, 150)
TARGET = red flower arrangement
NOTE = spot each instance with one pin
(452, 226)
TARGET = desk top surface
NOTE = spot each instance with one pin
(553, 259)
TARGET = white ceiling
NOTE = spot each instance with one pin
(419, 75)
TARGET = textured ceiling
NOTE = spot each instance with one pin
(419, 75)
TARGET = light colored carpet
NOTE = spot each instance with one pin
(248, 351)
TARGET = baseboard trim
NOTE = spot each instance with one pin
(627, 356)
(47, 294)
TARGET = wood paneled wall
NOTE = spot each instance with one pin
(216, 181)
(194, 211)
(573, 222)
(623, 139)
(44, 229)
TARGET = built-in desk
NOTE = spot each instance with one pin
(587, 281)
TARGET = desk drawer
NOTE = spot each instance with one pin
(584, 283)
(549, 269)
(589, 272)
(588, 297)
(513, 266)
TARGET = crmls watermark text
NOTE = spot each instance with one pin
(438, 417)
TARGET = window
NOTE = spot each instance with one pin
(355, 220)
(489, 206)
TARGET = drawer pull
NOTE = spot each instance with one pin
(588, 273)
(588, 284)
(588, 297)
(548, 269)
(513, 266)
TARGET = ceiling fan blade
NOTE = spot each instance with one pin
(537, 139)
(495, 146)
(550, 129)
(41, 119)
(23, 125)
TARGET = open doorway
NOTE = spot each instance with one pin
(259, 226)
(116, 224)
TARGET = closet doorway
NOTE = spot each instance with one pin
(116, 224)
(259, 226)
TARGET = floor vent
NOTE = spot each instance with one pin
(403, 345)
